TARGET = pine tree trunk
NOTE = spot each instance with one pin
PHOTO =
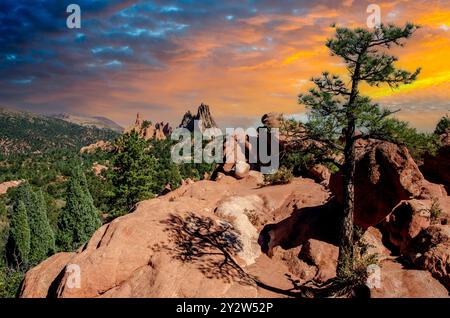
(345, 260)
(346, 257)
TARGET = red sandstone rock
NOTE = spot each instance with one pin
(322, 255)
(158, 131)
(4, 186)
(385, 175)
(136, 255)
(430, 250)
(406, 221)
(319, 173)
(437, 167)
(99, 145)
(272, 120)
(39, 279)
(98, 168)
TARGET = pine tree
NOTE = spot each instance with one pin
(42, 242)
(24, 193)
(166, 171)
(134, 171)
(337, 110)
(19, 235)
(443, 125)
(79, 175)
(79, 219)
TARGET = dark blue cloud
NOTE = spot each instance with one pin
(38, 51)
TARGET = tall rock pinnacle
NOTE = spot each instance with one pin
(203, 116)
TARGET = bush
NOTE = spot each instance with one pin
(10, 281)
(3, 210)
(435, 211)
(282, 176)
(296, 161)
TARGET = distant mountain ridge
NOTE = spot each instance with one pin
(26, 132)
(89, 121)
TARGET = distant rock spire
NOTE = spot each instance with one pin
(138, 122)
(203, 116)
(159, 131)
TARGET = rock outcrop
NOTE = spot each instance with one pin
(4, 186)
(236, 150)
(99, 145)
(436, 168)
(323, 256)
(148, 130)
(385, 175)
(98, 169)
(203, 117)
(318, 173)
(192, 242)
(272, 120)
(430, 250)
(164, 248)
(406, 221)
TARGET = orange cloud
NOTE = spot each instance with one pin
(258, 64)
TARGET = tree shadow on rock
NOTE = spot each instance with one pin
(210, 244)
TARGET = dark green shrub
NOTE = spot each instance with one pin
(442, 125)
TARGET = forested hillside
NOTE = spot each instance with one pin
(23, 132)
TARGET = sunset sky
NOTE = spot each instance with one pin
(243, 58)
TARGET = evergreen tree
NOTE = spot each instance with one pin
(134, 171)
(79, 175)
(19, 235)
(24, 193)
(42, 242)
(79, 219)
(337, 110)
(442, 125)
(166, 171)
(3, 210)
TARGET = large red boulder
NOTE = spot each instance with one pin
(385, 175)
